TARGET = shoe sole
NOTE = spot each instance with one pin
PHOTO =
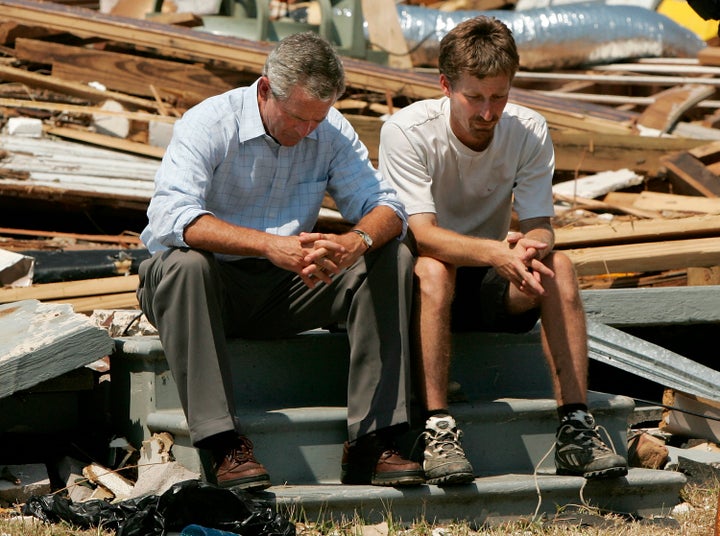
(250, 484)
(406, 478)
(452, 479)
(612, 472)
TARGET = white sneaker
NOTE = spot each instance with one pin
(444, 458)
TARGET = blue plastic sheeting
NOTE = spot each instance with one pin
(564, 36)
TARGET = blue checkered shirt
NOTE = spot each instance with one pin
(220, 161)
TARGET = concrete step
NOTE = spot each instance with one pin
(304, 445)
(493, 499)
(291, 397)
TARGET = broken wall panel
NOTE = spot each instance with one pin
(41, 341)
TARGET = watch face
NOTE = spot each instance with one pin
(366, 237)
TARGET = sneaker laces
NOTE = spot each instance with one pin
(444, 444)
(241, 452)
(588, 436)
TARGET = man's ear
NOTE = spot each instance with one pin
(445, 85)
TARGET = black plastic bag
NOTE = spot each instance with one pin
(185, 503)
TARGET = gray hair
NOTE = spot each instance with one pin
(306, 60)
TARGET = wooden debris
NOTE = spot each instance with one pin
(690, 416)
(120, 487)
(41, 341)
(646, 257)
(689, 174)
(648, 451)
(670, 105)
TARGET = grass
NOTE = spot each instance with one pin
(697, 518)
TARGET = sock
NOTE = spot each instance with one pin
(442, 412)
(565, 410)
(218, 441)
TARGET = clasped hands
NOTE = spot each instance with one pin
(325, 256)
(525, 269)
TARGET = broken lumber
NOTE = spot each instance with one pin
(646, 257)
(41, 341)
(690, 415)
(625, 232)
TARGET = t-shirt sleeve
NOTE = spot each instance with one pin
(532, 192)
(404, 165)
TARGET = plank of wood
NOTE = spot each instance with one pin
(41, 341)
(78, 109)
(625, 201)
(70, 289)
(383, 27)
(626, 232)
(107, 141)
(127, 73)
(121, 300)
(122, 239)
(55, 83)
(669, 105)
(709, 275)
(646, 257)
(594, 204)
(690, 415)
(595, 152)
(709, 56)
(689, 176)
(681, 203)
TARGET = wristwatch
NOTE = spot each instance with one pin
(366, 237)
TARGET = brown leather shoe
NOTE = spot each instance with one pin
(236, 467)
(370, 461)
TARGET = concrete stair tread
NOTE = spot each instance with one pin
(508, 420)
(501, 497)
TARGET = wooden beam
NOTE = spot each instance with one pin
(78, 109)
(646, 257)
(626, 232)
(127, 73)
(115, 239)
(242, 54)
(76, 89)
(689, 176)
(70, 289)
(107, 141)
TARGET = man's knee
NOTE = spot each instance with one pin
(434, 278)
(563, 268)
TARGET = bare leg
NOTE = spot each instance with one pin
(564, 333)
(435, 282)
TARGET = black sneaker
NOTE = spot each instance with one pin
(580, 451)
(444, 459)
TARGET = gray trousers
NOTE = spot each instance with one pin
(196, 302)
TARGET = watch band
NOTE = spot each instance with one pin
(366, 237)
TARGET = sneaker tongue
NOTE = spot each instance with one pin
(441, 424)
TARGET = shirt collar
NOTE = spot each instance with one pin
(250, 123)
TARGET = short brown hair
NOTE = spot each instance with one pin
(482, 46)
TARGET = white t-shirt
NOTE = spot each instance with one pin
(470, 192)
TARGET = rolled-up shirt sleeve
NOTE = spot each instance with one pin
(355, 184)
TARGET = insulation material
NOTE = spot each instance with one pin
(563, 36)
